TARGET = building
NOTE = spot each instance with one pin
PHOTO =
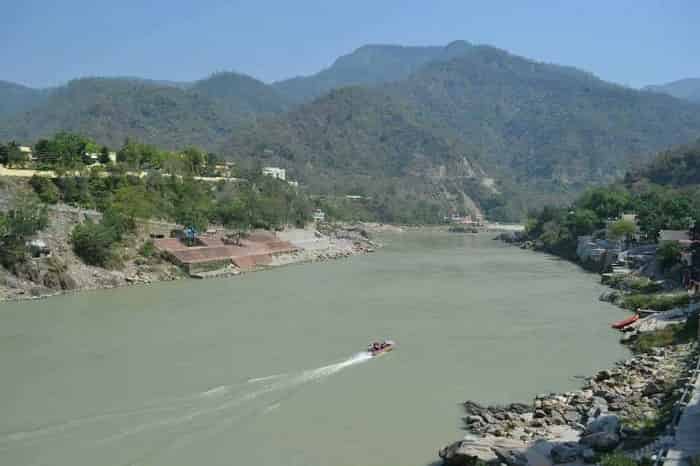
(476, 221)
(680, 236)
(319, 215)
(26, 152)
(275, 172)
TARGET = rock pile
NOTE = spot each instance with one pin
(631, 393)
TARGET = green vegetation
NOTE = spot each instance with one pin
(15, 98)
(658, 206)
(622, 229)
(168, 192)
(671, 335)
(617, 459)
(147, 249)
(369, 65)
(435, 130)
(111, 109)
(656, 302)
(669, 254)
(10, 155)
(95, 243)
(17, 225)
(45, 188)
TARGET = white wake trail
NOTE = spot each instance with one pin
(292, 381)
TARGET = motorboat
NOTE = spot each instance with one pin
(380, 347)
(620, 325)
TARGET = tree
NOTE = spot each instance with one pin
(45, 189)
(194, 160)
(669, 254)
(3, 154)
(104, 155)
(17, 225)
(133, 202)
(622, 229)
(582, 222)
(13, 155)
(93, 243)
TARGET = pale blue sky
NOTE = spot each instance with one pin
(49, 42)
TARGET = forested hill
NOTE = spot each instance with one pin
(530, 133)
(688, 89)
(15, 98)
(678, 167)
(241, 94)
(436, 124)
(369, 65)
(542, 123)
(170, 115)
(111, 109)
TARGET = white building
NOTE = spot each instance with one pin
(275, 172)
(319, 215)
(26, 152)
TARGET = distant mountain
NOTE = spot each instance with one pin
(362, 141)
(170, 115)
(15, 98)
(241, 94)
(505, 131)
(540, 123)
(678, 167)
(688, 89)
(111, 109)
(438, 129)
(368, 65)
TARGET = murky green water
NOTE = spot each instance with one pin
(263, 369)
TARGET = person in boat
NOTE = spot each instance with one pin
(376, 346)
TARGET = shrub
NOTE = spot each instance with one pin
(17, 225)
(147, 249)
(94, 242)
(617, 459)
(45, 189)
(657, 302)
(673, 334)
(669, 254)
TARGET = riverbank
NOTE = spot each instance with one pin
(627, 409)
(59, 271)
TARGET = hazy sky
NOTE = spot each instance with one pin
(633, 42)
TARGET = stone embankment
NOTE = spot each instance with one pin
(623, 408)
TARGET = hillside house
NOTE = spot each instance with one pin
(680, 236)
(275, 172)
(26, 152)
(319, 215)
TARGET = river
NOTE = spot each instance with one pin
(265, 369)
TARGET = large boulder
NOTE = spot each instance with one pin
(466, 453)
(608, 423)
(601, 441)
(566, 452)
(510, 457)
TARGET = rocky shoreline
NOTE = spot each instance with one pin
(626, 407)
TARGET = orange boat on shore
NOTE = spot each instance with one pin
(621, 324)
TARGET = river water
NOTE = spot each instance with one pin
(266, 368)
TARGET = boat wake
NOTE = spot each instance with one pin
(216, 407)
